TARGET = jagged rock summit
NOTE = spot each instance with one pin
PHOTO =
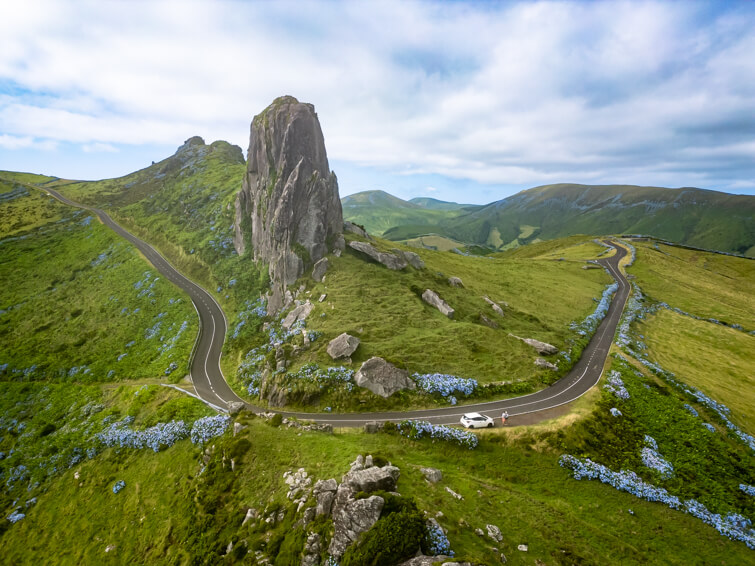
(288, 208)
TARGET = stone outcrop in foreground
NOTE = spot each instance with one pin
(289, 197)
(383, 378)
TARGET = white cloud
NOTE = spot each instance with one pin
(501, 94)
(25, 142)
(98, 148)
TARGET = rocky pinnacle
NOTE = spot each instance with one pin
(288, 209)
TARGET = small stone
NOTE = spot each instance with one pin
(237, 428)
(455, 282)
(494, 532)
(234, 408)
(433, 475)
(488, 322)
(432, 299)
(322, 297)
(496, 307)
(453, 493)
(479, 532)
(372, 427)
(251, 514)
(545, 364)
(522, 547)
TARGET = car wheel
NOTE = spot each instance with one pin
(490, 425)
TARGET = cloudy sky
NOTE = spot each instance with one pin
(460, 101)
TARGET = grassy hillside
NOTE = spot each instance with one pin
(78, 303)
(705, 219)
(378, 211)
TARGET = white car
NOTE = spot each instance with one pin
(476, 420)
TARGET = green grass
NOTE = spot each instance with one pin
(71, 306)
(705, 284)
(715, 359)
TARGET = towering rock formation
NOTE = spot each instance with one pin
(288, 209)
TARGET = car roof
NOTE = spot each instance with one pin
(474, 415)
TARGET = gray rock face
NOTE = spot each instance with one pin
(373, 479)
(311, 551)
(432, 298)
(352, 517)
(541, 347)
(455, 282)
(545, 364)
(299, 313)
(388, 260)
(342, 346)
(487, 321)
(320, 268)
(289, 194)
(433, 475)
(382, 378)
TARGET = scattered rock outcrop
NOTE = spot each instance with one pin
(541, 347)
(373, 478)
(318, 272)
(342, 346)
(289, 194)
(388, 260)
(545, 364)
(383, 378)
(432, 298)
(487, 321)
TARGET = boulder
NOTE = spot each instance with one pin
(372, 427)
(352, 517)
(339, 244)
(454, 494)
(433, 475)
(432, 299)
(355, 229)
(234, 408)
(373, 479)
(237, 428)
(455, 282)
(318, 272)
(325, 503)
(298, 313)
(494, 533)
(541, 347)
(289, 194)
(545, 364)
(413, 259)
(342, 346)
(383, 378)
(388, 260)
(322, 297)
(496, 307)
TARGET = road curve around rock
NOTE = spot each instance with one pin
(211, 387)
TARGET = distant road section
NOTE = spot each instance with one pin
(212, 388)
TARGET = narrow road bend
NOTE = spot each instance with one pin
(211, 386)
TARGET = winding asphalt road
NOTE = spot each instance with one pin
(211, 387)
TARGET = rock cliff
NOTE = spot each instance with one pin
(288, 209)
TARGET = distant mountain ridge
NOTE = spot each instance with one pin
(691, 216)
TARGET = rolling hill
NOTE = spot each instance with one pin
(694, 217)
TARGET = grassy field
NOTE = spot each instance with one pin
(391, 320)
(705, 284)
(713, 358)
(79, 304)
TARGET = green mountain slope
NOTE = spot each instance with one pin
(695, 217)
(379, 211)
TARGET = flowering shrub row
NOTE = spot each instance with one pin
(16, 516)
(257, 309)
(420, 429)
(162, 435)
(207, 428)
(616, 386)
(748, 489)
(589, 324)
(445, 385)
(733, 526)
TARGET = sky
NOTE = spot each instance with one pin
(460, 101)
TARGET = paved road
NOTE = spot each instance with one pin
(211, 387)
